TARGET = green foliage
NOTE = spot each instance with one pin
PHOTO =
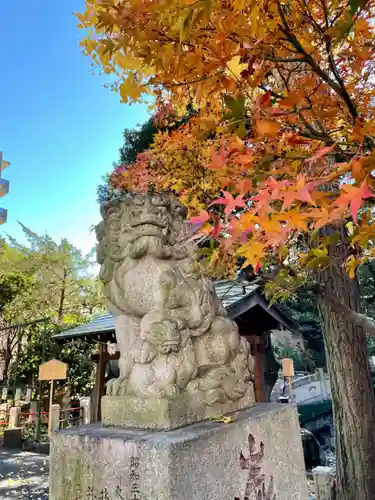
(45, 279)
(136, 141)
(366, 277)
(12, 285)
(31, 354)
(302, 308)
(77, 354)
(40, 347)
(64, 288)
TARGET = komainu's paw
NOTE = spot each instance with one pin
(234, 389)
(214, 396)
(117, 386)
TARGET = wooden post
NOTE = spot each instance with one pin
(288, 372)
(257, 350)
(100, 359)
(100, 381)
(50, 409)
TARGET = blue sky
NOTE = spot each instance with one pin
(60, 129)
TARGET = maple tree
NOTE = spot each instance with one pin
(284, 127)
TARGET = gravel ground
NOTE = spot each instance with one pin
(23, 475)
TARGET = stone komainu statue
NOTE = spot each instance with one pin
(172, 331)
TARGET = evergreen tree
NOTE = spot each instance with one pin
(44, 279)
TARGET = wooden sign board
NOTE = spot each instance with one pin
(53, 370)
(288, 367)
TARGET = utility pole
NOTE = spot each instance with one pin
(4, 188)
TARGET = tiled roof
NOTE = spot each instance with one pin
(229, 292)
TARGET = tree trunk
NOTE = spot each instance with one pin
(62, 297)
(349, 371)
(6, 365)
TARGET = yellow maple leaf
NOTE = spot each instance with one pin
(127, 61)
(253, 252)
(235, 67)
(351, 266)
(224, 419)
(90, 45)
(130, 90)
(239, 4)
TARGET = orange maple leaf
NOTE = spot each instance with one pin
(276, 186)
(243, 159)
(321, 153)
(359, 173)
(291, 100)
(300, 193)
(242, 226)
(244, 186)
(266, 127)
(296, 220)
(293, 138)
(276, 111)
(354, 197)
(218, 159)
(262, 200)
(229, 202)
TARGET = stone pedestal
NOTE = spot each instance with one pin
(260, 451)
(166, 414)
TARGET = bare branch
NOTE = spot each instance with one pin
(360, 320)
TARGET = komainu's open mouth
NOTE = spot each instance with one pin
(149, 222)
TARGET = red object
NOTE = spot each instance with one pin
(26, 414)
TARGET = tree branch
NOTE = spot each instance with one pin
(338, 88)
(360, 320)
(285, 59)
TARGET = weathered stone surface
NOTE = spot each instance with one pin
(173, 334)
(55, 417)
(14, 417)
(260, 451)
(162, 413)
